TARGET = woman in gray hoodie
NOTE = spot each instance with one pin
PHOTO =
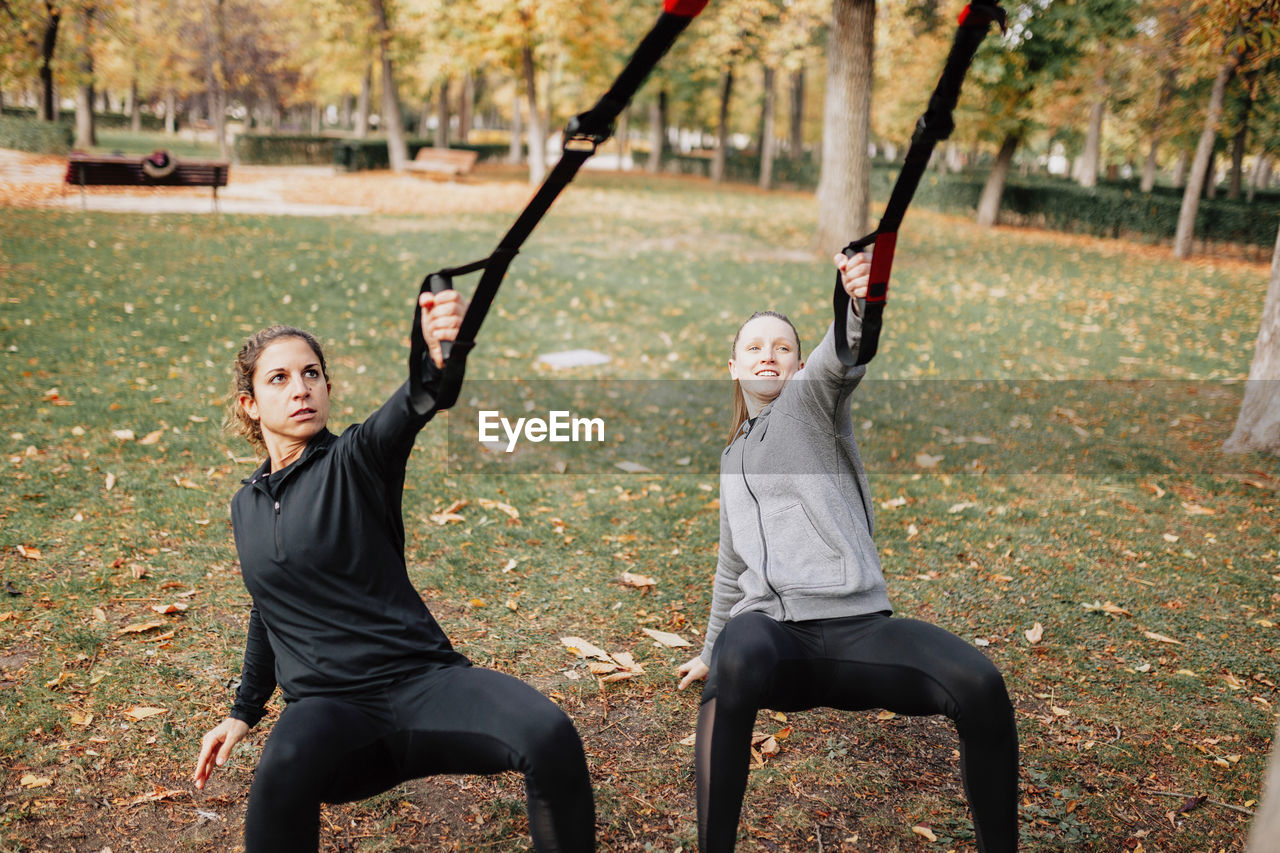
(799, 614)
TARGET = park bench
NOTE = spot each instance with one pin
(119, 170)
(442, 162)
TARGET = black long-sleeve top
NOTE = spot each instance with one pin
(321, 546)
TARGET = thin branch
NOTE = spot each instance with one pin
(1240, 809)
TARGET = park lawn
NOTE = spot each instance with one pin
(1041, 429)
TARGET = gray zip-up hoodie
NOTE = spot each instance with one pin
(796, 517)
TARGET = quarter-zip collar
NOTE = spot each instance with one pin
(318, 444)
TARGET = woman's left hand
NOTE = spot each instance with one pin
(441, 319)
(855, 273)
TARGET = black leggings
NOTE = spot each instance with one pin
(453, 719)
(854, 664)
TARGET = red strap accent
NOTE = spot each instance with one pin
(684, 8)
(964, 16)
(881, 263)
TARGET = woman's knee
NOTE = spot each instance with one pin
(743, 651)
(548, 740)
(984, 699)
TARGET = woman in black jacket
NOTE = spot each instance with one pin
(375, 693)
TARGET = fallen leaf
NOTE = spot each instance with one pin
(925, 460)
(583, 649)
(175, 607)
(511, 564)
(111, 481)
(142, 627)
(1034, 634)
(620, 675)
(924, 832)
(1196, 509)
(30, 780)
(141, 712)
(185, 483)
(893, 503)
(599, 667)
(960, 507)
(1108, 608)
(689, 741)
(29, 552)
(158, 794)
(501, 507)
(152, 437)
(478, 602)
(671, 641)
(123, 434)
(443, 518)
(1190, 804)
(886, 715)
(81, 719)
(1160, 638)
(632, 467)
(638, 581)
(1059, 712)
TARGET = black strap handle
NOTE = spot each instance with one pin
(936, 124)
(582, 136)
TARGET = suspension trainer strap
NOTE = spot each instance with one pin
(582, 136)
(934, 125)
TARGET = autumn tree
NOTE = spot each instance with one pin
(29, 32)
(1043, 44)
(1226, 35)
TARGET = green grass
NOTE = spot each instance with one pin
(181, 144)
(1095, 489)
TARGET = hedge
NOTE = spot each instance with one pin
(280, 149)
(30, 134)
(1110, 209)
(109, 121)
(354, 155)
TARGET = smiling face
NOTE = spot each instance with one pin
(290, 399)
(765, 356)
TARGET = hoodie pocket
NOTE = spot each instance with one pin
(799, 558)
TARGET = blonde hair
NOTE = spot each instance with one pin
(238, 421)
(740, 411)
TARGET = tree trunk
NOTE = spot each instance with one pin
(1211, 174)
(170, 112)
(515, 154)
(796, 142)
(424, 120)
(442, 116)
(392, 123)
(1259, 175)
(657, 132)
(844, 185)
(364, 104)
(537, 136)
(1238, 141)
(86, 135)
(1090, 160)
(1204, 152)
(993, 191)
(623, 137)
(1266, 820)
(1149, 166)
(1180, 169)
(345, 106)
(317, 121)
(766, 130)
(466, 107)
(48, 43)
(1258, 427)
(722, 128)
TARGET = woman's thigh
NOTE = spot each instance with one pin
(466, 719)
